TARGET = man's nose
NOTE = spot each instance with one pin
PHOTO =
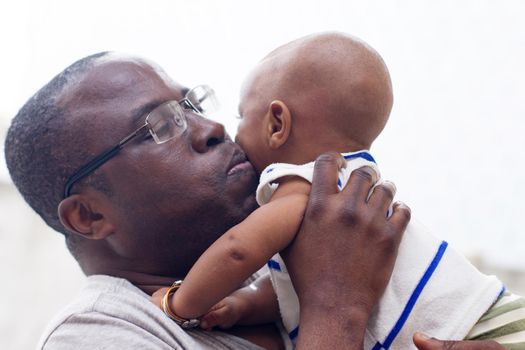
(206, 133)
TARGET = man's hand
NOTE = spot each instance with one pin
(425, 343)
(342, 258)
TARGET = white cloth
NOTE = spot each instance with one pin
(433, 288)
(110, 313)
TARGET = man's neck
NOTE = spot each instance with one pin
(148, 283)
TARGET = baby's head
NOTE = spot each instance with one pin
(324, 92)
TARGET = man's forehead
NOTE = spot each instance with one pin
(118, 89)
(128, 72)
(126, 78)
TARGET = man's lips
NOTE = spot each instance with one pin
(239, 163)
(244, 166)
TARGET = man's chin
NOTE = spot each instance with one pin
(245, 208)
(243, 180)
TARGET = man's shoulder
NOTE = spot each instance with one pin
(98, 301)
(111, 313)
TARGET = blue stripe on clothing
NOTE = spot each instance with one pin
(274, 265)
(364, 155)
(378, 346)
(293, 334)
(503, 289)
(413, 298)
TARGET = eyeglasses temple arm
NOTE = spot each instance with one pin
(98, 161)
(89, 167)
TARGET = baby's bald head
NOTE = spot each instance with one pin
(331, 82)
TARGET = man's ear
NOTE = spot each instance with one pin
(80, 216)
(279, 124)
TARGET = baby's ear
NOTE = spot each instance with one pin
(279, 124)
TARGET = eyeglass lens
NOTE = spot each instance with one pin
(167, 121)
(203, 98)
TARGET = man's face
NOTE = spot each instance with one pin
(168, 201)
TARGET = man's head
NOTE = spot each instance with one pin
(319, 93)
(153, 208)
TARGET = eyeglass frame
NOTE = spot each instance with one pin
(109, 153)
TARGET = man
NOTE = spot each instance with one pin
(138, 216)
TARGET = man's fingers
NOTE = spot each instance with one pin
(400, 217)
(424, 342)
(382, 196)
(325, 175)
(399, 221)
(359, 184)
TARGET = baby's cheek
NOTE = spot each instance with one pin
(242, 140)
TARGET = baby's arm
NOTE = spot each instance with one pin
(242, 250)
(251, 305)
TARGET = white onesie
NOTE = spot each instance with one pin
(433, 289)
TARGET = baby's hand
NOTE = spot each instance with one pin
(156, 298)
(224, 314)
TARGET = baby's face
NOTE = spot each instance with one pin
(251, 130)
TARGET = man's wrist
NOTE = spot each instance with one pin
(333, 328)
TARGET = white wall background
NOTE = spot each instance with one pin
(454, 144)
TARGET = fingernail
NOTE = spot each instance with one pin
(402, 204)
(370, 171)
(423, 335)
(391, 184)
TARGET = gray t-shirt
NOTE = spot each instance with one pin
(111, 313)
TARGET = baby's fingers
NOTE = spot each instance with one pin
(156, 298)
(219, 316)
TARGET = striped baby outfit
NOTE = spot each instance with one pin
(504, 322)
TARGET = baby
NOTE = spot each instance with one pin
(322, 93)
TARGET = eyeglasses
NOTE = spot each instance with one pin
(164, 123)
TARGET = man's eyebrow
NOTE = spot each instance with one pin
(139, 114)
